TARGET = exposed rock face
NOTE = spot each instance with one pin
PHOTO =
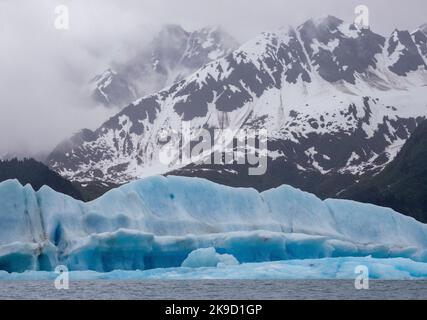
(338, 102)
(171, 56)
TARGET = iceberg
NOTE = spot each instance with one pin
(159, 221)
(208, 257)
(326, 268)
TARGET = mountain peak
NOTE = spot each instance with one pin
(397, 31)
(327, 21)
(212, 28)
(214, 36)
(400, 35)
(323, 29)
(423, 28)
(172, 29)
(102, 78)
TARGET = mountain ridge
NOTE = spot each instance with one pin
(335, 100)
(173, 54)
(30, 171)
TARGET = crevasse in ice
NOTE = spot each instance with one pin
(157, 222)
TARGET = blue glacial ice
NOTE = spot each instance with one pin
(208, 257)
(326, 268)
(157, 222)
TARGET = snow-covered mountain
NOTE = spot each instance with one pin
(112, 89)
(338, 102)
(172, 55)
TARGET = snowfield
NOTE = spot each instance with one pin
(158, 222)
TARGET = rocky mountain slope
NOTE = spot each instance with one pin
(338, 102)
(402, 185)
(172, 55)
(29, 171)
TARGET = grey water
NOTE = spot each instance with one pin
(214, 289)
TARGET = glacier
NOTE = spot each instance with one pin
(163, 222)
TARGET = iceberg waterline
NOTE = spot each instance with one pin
(326, 268)
(157, 222)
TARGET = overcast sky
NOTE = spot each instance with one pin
(44, 70)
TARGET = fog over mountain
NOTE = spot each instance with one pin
(45, 71)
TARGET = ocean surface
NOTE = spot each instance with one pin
(214, 289)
